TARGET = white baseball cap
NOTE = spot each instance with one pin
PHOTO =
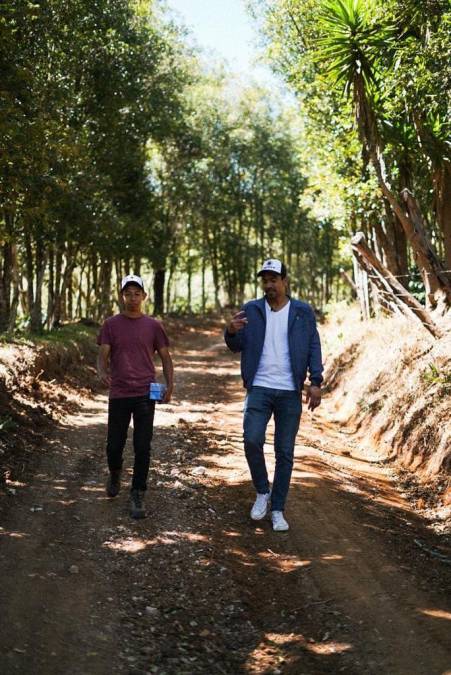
(273, 265)
(132, 279)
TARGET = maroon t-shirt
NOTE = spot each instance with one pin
(133, 343)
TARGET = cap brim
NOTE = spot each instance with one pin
(269, 272)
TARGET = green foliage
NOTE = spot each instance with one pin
(393, 57)
(435, 375)
(350, 44)
(120, 151)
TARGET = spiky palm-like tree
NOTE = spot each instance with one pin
(350, 51)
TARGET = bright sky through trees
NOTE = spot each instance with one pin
(226, 29)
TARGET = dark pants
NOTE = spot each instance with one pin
(120, 411)
(286, 406)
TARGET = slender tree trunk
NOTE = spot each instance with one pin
(5, 286)
(190, 276)
(137, 265)
(29, 270)
(9, 275)
(204, 299)
(78, 308)
(36, 310)
(55, 317)
(119, 275)
(158, 291)
(104, 283)
(70, 297)
(62, 281)
(88, 290)
(51, 287)
(95, 274)
(15, 279)
(442, 185)
(349, 282)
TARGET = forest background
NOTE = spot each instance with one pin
(123, 151)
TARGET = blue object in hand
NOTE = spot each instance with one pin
(157, 391)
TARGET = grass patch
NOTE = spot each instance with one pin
(433, 375)
(67, 334)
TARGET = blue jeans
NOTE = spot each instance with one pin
(260, 404)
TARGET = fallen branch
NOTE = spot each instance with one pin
(396, 296)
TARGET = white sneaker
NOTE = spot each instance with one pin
(279, 524)
(260, 508)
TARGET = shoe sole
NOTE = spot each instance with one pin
(111, 494)
(138, 516)
(260, 517)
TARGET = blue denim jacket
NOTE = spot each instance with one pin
(303, 342)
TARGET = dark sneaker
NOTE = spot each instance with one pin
(136, 504)
(113, 484)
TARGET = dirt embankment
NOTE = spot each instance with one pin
(390, 385)
(39, 383)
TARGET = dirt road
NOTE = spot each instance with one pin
(197, 587)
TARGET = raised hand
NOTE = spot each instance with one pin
(237, 322)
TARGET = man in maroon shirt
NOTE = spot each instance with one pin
(128, 342)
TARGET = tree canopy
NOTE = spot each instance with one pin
(122, 151)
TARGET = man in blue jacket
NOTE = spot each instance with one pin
(279, 342)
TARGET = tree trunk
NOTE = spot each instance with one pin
(158, 291)
(95, 274)
(51, 287)
(70, 297)
(78, 308)
(63, 280)
(29, 271)
(5, 286)
(36, 309)
(361, 285)
(9, 275)
(88, 290)
(105, 307)
(137, 265)
(15, 289)
(190, 276)
(442, 185)
(438, 288)
(390, 286)
(349, 282)
(204, 298)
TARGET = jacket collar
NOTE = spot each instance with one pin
(260, 303)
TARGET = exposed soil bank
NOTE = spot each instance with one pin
(39, 383)
(390, 385)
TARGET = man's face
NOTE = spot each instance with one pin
(133, 297)
(274, 287)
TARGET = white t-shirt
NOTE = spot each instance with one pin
(274, 369)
